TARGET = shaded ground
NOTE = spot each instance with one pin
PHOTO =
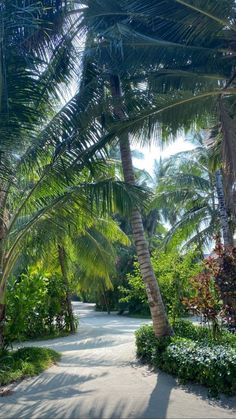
(99, 377)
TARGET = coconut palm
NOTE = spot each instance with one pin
(123, 50)
(119, 47)
(40, 175)
(80, 248)
(131, 67)
(27, 80)
(190, 91)
(47, 198)
(191, 188)
(102, 30)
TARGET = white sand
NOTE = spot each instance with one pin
(99, 377)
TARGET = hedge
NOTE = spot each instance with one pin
(192, 355)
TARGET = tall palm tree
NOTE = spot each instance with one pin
(101, 28)
(120, 46)
(124, 41)
(127, 50)
(24, 94)
(224, 215)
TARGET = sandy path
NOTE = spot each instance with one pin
(99, 377)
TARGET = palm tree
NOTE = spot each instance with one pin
(126, 47)
(224, 216)
(123, 52)
(80, 247)
(182, 57)
(101, 28)
(190, 187)
(199, 89)
(43, 201)
(24, 93)
(43, 153)
(119, 48)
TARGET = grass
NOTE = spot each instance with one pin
(25, 362)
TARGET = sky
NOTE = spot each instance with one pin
(152, 153)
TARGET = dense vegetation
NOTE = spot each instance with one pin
(81, 84)
(37, 307)
(193, 354)
(173, 271)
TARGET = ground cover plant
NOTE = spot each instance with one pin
(192, 354)
(25, 362)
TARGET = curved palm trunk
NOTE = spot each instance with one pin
(159, 317)
(62, 255)
(226, 231)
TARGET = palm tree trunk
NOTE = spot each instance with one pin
(2, 295)
(2, 316)
(225, 226)
(2, 254)
(159, 317)
(62, 256)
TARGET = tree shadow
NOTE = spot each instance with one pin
(53, 386)
(90, 381)
(168, 393)
(78, 410)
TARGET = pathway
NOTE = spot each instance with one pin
(99, 377)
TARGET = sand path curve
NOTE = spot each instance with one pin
(99, 377)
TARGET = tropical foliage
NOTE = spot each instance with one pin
(187, 189)
(192, 355)
(174, 272)
(44, 177)
(36, 306)
(81, 84)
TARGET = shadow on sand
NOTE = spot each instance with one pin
(81, 387)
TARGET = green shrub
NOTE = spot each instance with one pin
(210, 365)
(187, 329)
(192, 355)
(25, 362)
(135, 296)
(149, 348)
(36, 306)
(172, 272)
